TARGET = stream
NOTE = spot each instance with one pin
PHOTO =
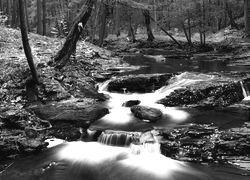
(135, 149)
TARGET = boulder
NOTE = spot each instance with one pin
(131, 103)
(142, 83)
(79, 111)
(146, 113)
(206, 94)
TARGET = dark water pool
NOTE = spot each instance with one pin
(159, 64)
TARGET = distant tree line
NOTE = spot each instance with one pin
(55, 17)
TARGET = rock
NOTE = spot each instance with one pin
(146, 113)
(74, 111)
(131, 103)
(206, 94)
(16, 117)
(141, 83)
(53, 90)
(66, 131)
(15, 142)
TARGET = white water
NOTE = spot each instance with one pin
(243, 89)
(122, 115)
(96, 161)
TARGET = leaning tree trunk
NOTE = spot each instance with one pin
(68, 48)
(147, 23)
(167, 33)
(25, 40)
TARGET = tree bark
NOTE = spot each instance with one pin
(9, 5)
(44, 17)
(147, 23)
(117, 20)
(68, 48)
(25, 40)
(14, 21)
(103, 19)
(39, 17)
(247, 17)
(26, 14)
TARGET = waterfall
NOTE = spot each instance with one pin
(244, 90)
(118, 138)
(137, 141)
(103, 86)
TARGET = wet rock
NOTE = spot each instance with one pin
(146, 113)
(16, 117)
(131, 103)
(15, 142)
(206, 94)
(74, 111)
(140, 83)
(66, 131)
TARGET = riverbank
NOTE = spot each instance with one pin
(70, 91)
(68, 102)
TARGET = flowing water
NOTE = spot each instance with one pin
(121, 118)
(125, 151)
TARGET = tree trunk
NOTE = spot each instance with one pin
(26, 14)
(147, 23)
(25, 40)
(14, 21)
(230, 15)
(9, 5)
(247, 17)
(1, 5)
(95, 21)
(168, 34)
(187, 35)
(224, 13)
(68, 48)
(44, 17)
(117, 20)
(39, 17)
(103, 19)
(131, 33)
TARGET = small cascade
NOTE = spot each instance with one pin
(118, 138)
(103, 86)
(244, 90)
(138, 142)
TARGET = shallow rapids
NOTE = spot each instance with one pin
(121, 118)
(94, 161)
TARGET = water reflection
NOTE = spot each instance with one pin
(199, 63)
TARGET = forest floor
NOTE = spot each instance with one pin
(22, 131)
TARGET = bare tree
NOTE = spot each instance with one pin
(25, 40)
(69, 45)
(147, 23)
(103, 19)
